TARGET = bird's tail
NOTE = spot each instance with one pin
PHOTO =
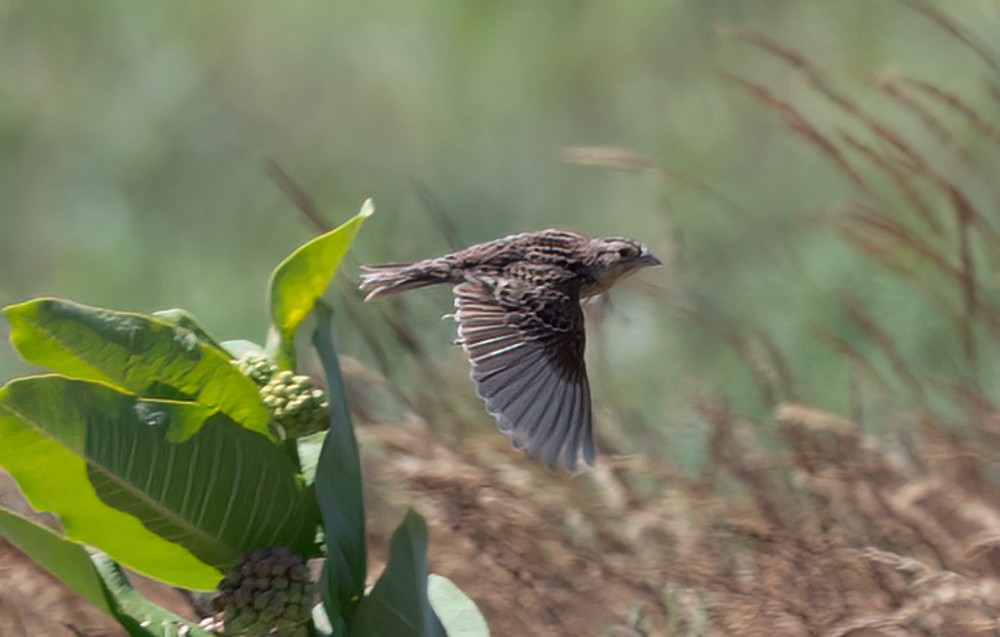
(382, 280)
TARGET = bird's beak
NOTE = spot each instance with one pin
(646, 259)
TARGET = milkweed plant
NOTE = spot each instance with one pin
(210, 467)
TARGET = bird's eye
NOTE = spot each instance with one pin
(627, 251)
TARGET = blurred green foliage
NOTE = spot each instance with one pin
(133, 139)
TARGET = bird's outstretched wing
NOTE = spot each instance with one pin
(525, 342)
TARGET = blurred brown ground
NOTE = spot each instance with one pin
(829, 536)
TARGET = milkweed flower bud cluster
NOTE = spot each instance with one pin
(295, 403)
(257, 367)
(268, 593)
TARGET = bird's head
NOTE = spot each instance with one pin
(617, 257)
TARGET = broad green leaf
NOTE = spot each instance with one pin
(185, 320)
(398, 605)
(308, 449)
(124, 475)
(458, 613)
(303, 277)
(95, 578)
(65, 560)
(338, 492)
(135, 613)
(139, 353)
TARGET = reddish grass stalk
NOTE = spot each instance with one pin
(891, 87)
(956, 104)
(885, 343)
(816, 80)
(953, 28)
(799, 125)
(904, 185)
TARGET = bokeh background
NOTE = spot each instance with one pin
(134, 139)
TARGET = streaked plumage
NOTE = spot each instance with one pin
(520, 323)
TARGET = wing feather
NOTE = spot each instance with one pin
(531, 424)
(548, 438)
(530, 373)
(513, 402)
(554, 451)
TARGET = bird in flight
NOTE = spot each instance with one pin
(520, 324)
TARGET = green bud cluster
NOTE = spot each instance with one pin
(296, 404)
(268, 593)
(257, 367)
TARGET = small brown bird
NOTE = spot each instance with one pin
(521, 326)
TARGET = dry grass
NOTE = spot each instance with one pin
(833, 535)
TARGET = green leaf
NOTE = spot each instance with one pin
(458, 613)
(135, 613)
(303, 277)
(308, 449)
(65, 560)
(398, 604)
(338, 492)
(95, 578)
(125, 476)
(139, 353)
(185, 320)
